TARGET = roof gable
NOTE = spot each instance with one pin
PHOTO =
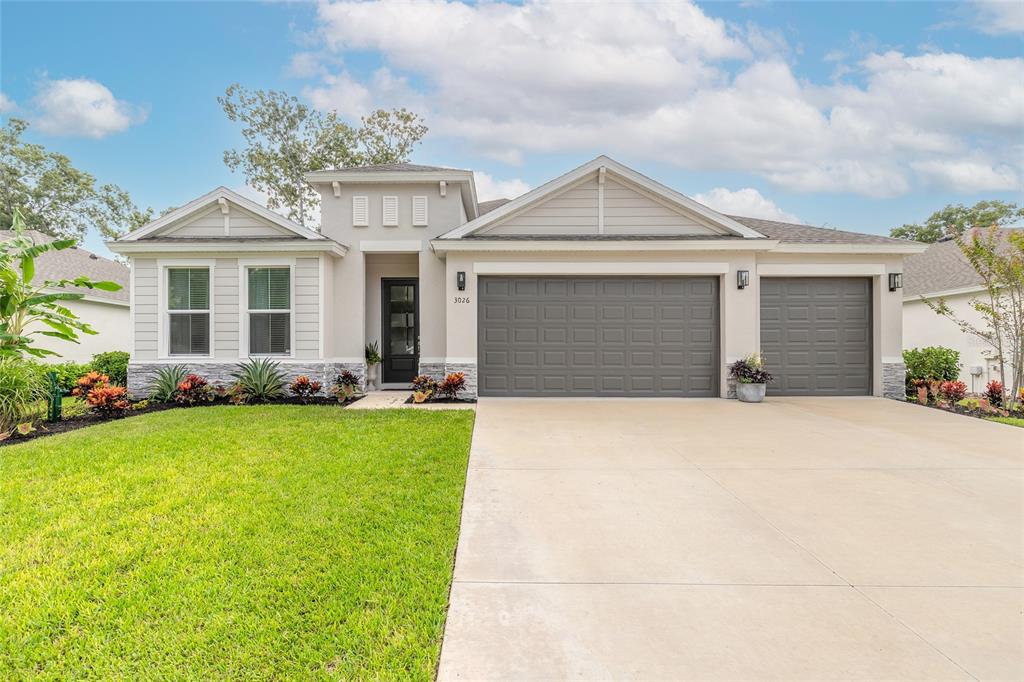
(603, 197)
(222, 214)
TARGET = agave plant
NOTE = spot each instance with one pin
(260, 379)
(166, 382)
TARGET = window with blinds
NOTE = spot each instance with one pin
(270, 311)
(188, 311)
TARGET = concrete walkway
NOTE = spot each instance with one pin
(382, 400)
(799, 539)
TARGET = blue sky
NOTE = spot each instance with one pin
(853, 115)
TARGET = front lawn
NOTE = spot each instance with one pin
(1012, 421)
(274, 542)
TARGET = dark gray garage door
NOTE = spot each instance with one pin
(816, 335)
(598, 336)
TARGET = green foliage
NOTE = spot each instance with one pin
(373, 354)
(956, 219)
(30, 308)
(259, 380)
(285, 139)
(114, 364)
(22, 393)
(933, 363)
(165, 385)
(68, 373)
(55, 197)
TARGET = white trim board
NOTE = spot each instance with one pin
(391, 246)
(820, 270)
(595, 268)
(155, 248)
(513, 245)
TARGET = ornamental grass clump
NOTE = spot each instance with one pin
(22, 393)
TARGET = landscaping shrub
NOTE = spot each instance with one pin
(114, 364)
(68, 373)
(452, 385)
(953, 390)
(88, 382)
(994, 393)
(259, 380)
(22, 393)
(165, 385)
(345, 386)
(193, 390)
(108, 401)
(933, 363)
(303, 388)
(424, 383)
(750, 370)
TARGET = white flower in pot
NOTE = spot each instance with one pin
(751, 377)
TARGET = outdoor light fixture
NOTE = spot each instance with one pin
(460, 280)
(895, 281)
(742, 279)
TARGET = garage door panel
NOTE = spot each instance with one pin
(816, 335)
(618, 336)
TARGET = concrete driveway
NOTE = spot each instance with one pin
(799, 539)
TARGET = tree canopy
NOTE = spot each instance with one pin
(54, 196)
(956, 219)
(285, 139)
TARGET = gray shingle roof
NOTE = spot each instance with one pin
(941, 268)
(77, 262)
(488, 206)
(602, 237)
(795, 233)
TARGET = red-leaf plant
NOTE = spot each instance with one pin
(304, 388)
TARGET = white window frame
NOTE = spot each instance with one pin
(384, 210)
(365, 201)
(244, 264)
(426, 210)
(163, 326)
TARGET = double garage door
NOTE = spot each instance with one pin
(659, 336)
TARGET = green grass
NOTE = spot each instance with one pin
(1012, 421)
(273, 542)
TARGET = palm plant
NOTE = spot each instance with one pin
(28, 308)
(259, 379)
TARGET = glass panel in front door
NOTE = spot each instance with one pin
(402, 310)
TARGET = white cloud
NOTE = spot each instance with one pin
(744, 202)
(82, 107)
(6, 104)
(968, 175)
(488, 188)
(998, 17)
(661, 82)
(304, 65)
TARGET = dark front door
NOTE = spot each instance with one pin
(400, 318)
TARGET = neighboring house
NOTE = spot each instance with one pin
(943, 272)
(105, 311)
(600, 282)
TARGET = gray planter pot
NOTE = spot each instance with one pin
(750, 393)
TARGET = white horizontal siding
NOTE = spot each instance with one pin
(146, 309)
(243, 224)
(306, 308)
(225, 308)
(630, 211)
(574, 211)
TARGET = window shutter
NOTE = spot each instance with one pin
(419, 211)
(361, 211)
(390, 211)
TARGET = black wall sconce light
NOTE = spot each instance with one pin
(460, 280)
(742, 279)
(895, 281)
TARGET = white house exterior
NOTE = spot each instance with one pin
(942, 272)
(601, 282)
(107, 312)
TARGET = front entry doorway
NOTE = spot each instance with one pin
(400, 318)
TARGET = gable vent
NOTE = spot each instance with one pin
(419, 211)
(390, 211)
(361, 211)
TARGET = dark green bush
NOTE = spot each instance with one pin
(114, 364)
(68, 373)
(934, 363)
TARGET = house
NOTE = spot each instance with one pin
(943, 272)
(105, 311)
(600, 282)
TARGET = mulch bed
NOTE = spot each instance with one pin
(965, 411)
(44, 428)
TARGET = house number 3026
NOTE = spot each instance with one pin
(462, 299)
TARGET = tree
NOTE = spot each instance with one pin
(55, 197)
(956, 219)
(999, 261)
(285, 139)
(29, 309)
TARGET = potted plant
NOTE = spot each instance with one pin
(751, 377)
(373, 359)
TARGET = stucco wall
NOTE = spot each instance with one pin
(109, 320)
(923, 327)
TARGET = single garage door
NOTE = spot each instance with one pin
(816, 335)
(598, 336)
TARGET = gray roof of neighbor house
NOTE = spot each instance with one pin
(791, 233)
(942, 267)
(77, 262)
(405, 167)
